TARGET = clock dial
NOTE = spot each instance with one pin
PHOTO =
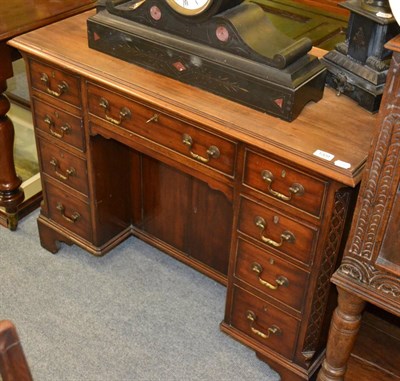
(189, 7)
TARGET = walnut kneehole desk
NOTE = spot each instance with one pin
(241, 196)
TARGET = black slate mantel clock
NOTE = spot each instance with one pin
(227, 47)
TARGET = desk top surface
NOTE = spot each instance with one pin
(20, 16)
(334, 125)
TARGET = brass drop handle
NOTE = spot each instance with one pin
(274, 330)
(65, 129)
(212, 152)
(280, 281)
(62, 86)
(74, 217)
(286, 236)
(124, 112)
(69, 172)
(295, 189)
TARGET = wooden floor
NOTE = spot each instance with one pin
(376, 356)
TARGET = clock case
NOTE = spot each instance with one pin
(252, 63)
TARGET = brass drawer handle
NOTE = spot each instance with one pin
(212, 152)
(69, 172)
(62, 87)
(74, 217)
(295, 189)
(65, 129)
(286, 236)
(280, 281)
(124, 112)
(274, 330)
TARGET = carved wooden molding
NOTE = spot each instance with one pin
(365, 273)
(378, 187)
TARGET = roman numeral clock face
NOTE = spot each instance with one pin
(200, 10)
(190, 7)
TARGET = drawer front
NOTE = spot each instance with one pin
(271, 275)
(56, 83)
(59, 124)
(177, 135)
(63, 166)
(277, 231)
(284, 183)
(68, 211)
(263, 322)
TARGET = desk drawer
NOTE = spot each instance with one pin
(56, 83)
(284, 183)
(264, 323)
(59, 124)
(68, 211)
(271, 275)
(63, 166)
(122, 113)
(277, 231)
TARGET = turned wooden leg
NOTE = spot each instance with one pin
(11, 195)
(345, 324)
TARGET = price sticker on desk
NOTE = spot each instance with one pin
(323, 155)
(342, 164)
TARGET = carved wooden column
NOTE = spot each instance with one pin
(370, 269)
(11, 195)
(345, 324)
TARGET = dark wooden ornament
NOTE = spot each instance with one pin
(358, 67)
(237, 54)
